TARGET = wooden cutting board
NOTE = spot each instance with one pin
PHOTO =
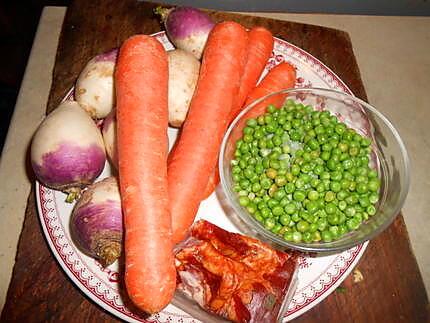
(391, 290)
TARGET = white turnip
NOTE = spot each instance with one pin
(109, 137)
(183, 74)
(94, 89)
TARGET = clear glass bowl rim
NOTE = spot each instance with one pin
(321, 246)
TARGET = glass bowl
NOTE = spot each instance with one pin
(388, 155)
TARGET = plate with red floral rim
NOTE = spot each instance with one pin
(318, 276)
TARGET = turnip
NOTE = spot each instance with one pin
(187, 28)
(109, 137)
(183, 74)
(96, 221)
(67, 150)
(94, 89)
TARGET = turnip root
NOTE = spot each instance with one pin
(67, 151)
(109, 137)
(187, 28)
(183, 75)
(96, 221)
(94, 89)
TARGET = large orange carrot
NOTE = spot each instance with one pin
(196, 152)
(281, 77)
(260, 47)
(141, 80)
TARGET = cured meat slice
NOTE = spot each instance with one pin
(237, 277)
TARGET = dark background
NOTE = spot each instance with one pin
(19, 20)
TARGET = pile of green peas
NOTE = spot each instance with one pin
(303, 174)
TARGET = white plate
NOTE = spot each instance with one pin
(318, 276)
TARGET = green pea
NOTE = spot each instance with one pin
(351, 199)
(265, 183)
(290, 188)
(316, 236)
(269, 223)
(256, 187)
(341, 195)
(326, 236)
(325, 155)
(333, 218)
(302, 226)
(330, 208)
(372, 174)
(295, 169)
(299, 195)
(322, 224)
(290, 208)
(342, 217)
(342, 205)
(340, 128)
(350, 211)
(284, 219)
(271, 173)
(335, 186)
(244, 200)
(279, 195)
(251, 123)
(371, 210)
(297, 236)
(373, 184)
(288, 236)
(265, 212)
(342, 229)
(373, 198)
(295, 217)
(251, 207)
(280, 180)
(313, 195)
(299, 183)
(361, 188)
(352, 224)
(271, 203)
(277, 210)
(307, 237)
(258, 216)
(329, 196)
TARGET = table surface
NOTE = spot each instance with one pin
(398, 282)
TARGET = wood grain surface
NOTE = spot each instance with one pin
(391, 290)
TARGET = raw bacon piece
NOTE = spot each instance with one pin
(234, 276)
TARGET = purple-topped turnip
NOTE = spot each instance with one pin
(96, 222)
(95, 85)
(67, 150)
(187, 28)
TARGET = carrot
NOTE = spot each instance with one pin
(141, 80)
(260, 47)
(196, 152)
(281, 77)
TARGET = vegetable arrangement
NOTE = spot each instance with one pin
(140, 90)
